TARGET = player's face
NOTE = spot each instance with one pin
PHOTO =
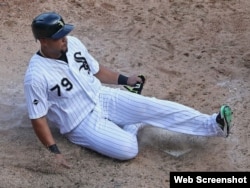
(55, 47)
(59, 44)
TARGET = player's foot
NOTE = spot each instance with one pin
(224, 119)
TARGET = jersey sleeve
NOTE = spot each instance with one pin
(36, 100)
(94, 65)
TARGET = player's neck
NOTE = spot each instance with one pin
(44, 53)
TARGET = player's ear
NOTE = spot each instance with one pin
(43, 40)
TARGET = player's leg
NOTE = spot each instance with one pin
(128, 108)
(103, 136)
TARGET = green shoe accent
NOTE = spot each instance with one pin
(226, 115)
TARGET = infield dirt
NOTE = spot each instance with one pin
(195, 52)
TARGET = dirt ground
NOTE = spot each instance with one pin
(195, 52)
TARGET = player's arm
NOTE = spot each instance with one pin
(42, 131)
(44, 134)
(108, 76)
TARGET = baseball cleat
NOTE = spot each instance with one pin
(225, 119)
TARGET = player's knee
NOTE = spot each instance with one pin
(128, 156)
(128, 153)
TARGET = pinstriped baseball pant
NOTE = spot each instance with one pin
(106, 129)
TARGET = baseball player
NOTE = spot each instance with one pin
(63, 86)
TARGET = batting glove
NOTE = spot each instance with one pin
(138, 86)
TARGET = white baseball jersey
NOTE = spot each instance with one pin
(65, 92)
(97, 117)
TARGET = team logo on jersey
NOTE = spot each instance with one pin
(80, 59)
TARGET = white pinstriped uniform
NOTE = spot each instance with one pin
(99, 117)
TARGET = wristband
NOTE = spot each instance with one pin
(54, 149)
(122, 80)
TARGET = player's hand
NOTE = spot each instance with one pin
(133, 80)
(60, 161)
(138, 86)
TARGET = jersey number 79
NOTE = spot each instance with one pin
(65, 83)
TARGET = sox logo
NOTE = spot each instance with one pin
(81, 59)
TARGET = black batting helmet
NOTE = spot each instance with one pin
(50, 25)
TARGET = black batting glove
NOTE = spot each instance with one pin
(138, 86)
